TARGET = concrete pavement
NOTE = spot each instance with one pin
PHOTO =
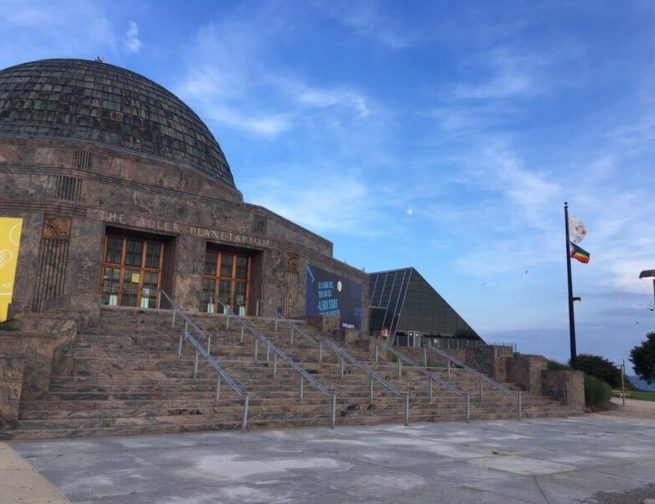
(590, 459)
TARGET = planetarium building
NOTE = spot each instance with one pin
(119, 192)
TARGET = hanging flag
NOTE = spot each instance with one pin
(579, 254)
(577, 231)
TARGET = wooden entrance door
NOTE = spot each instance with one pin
(132, 268)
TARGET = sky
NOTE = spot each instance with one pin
(436, 134)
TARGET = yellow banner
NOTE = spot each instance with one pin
(10, 230)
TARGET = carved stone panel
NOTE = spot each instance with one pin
(56, 228)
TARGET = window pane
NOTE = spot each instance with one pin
(207, 301)
(114, 250)
(226, 265)
(225, 292)
(153, 255)
(110, 286)
(130, 288)
(211, 258)
(133, 253)
(240, 294)
(242, 267)
(149, 290)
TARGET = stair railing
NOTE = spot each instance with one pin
(341, 352)
(401, 357)
(483, 379)
(187, 335)
(278, 352)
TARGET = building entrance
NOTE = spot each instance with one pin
(226, 279)
(132, 271)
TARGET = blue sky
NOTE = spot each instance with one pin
(441, 135)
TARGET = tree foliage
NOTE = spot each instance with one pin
(643, 358)
(601, 368)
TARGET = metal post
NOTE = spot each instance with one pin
(276, 322)
(292, 335)
(481, 392)
(334, 409)
(274, 366)
(179, 347)
(371, 389)
(320, 351)
(341, 366)
(407, 409)
(520, 408)
(241, 341)
(302, 390)
(257, 309)
(468, 408)
(425, 357)
(400, 368)
(623, 382)
(174, 312)
(574, 352)
(218, 388)
(430, 388)
(377, 352)
(256, 348)
(209, 344)
(195, 366)
(227, 321)
(448, 361)
(268, 352)
(246, 402)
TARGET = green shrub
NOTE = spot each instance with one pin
(597, 393)
(556, 366)
(599, 367)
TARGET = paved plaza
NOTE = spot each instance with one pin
(589, 459)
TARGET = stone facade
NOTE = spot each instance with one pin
(71, 190)
(565, 386)
(11, 380)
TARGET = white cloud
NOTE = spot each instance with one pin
(132, 41)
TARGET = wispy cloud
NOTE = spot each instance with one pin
(132, 41)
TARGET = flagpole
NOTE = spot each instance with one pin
(570, 285)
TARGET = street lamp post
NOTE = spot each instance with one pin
(649, 274)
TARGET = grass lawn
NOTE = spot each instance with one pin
(640, 396)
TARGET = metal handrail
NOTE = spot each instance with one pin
(205, 352)
(304, 375)
(335, 348)
(431, 377)
(482, 376)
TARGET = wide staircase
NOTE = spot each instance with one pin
(150, 372)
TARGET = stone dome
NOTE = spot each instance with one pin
(93, 101)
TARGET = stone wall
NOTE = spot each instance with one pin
(11, 381)
(565, 386)
(525, 371)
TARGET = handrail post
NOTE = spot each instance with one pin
(448, 361)
(274, 366)
(292, 335)
(302, 389)
(218, 389)
(377, 351)
(241, 340)
(341, 365)
(407, 408)
(227, 320)
(320, 351)
(468, 408)
(334, 409)
(429, 388)
(209, 345)
(520, 405)
(481, 391)
(425, 357)
(257, 308)
(276, 322)
(246, 401)
(179, 347)
(268, 352)
(400, 367)
(174, 312)
(256, 348)
(371, 389)
(195, 366)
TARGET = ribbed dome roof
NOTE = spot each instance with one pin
(94, 101)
